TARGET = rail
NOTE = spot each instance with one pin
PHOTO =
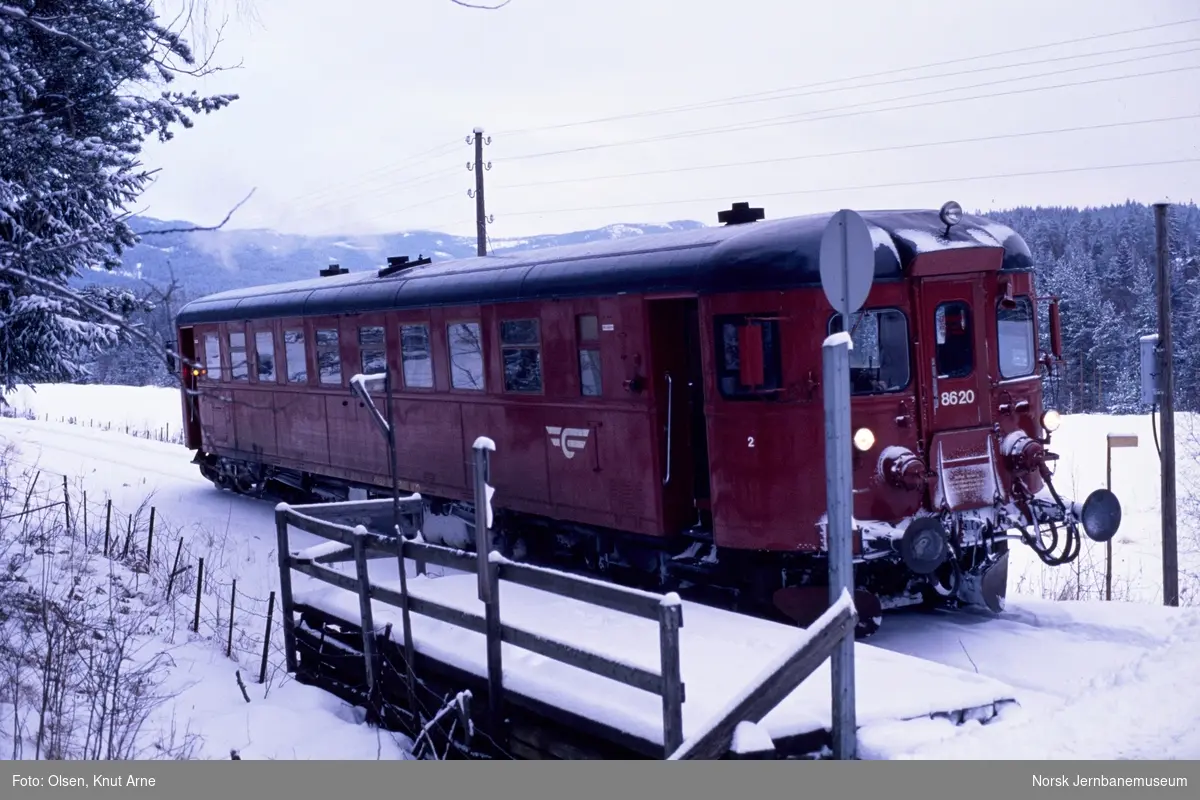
(346, 542)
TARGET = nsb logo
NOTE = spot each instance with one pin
(568, 439)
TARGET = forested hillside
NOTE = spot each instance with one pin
(1100, 261)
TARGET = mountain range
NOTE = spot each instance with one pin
(203, 262)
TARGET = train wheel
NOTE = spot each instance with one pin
(870, 613)
(804, 604)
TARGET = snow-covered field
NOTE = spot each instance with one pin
(1094, 679)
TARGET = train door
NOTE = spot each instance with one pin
(956, 388)
(679, 404)
(191, 405)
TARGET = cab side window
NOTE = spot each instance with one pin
(212, 356)
(879, 362)
(953, 332)
(749, 359)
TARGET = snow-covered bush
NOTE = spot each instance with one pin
(82, 86)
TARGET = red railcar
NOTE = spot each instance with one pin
(657, 408)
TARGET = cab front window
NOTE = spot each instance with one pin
(879, 362)
(953, 347)
(1015, 336)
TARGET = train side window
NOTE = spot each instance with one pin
(415, 356)
(879, 362)
(297, 358)
(239, 369)
(372, 348)
(588, 326)
(466, 355)
(264, 355)
(1015, 337)
(329, 356)
(749, 361)
(520, 346)
(212, 356)
(952, 328)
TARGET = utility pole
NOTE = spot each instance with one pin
(1170, 554)
(481, 219)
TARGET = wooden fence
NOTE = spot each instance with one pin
(360, 545)
(347, 541)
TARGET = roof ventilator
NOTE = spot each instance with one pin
(739, 213)
(333, 269)
(400, 263)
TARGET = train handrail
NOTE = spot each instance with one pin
(670, 405)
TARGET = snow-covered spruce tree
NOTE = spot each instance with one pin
(82, 85)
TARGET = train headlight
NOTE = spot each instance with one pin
(1051, 419)
(950, 213)
(864, 439)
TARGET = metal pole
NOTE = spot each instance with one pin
(1108, 554)
(839, 492)
(482, 534)
(1170, 555)
(391, 443)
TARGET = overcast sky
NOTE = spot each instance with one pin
(353, 116)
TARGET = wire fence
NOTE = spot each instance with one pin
(161, 433)
(202, 594)
(198, 595)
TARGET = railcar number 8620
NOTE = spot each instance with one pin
(963, 398)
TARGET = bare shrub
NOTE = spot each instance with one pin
(80, 676)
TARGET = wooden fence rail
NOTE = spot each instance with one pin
(353, 542)
(778, 680)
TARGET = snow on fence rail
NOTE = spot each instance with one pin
(353, 542)
(358, 544)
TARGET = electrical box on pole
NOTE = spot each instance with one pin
(1151, 370)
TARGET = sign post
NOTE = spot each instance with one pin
(847, 272)
(1114, 440)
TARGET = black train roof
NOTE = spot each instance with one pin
(775, 254)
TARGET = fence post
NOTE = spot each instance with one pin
(199, 591)
(67, 503)
(262, 670)
(150, 536)
(107, 525)
(285, 588)
(840, 536)
(232, 605)
(174, 568)
(670, 620)
(85, 529)
(488, 576)
(406, 621)
(495, 663)
(128, 537)
(368, 619)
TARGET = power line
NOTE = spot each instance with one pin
(1036, 62)
(731, 99)
(330, 195)
(344, 200)
(859, 152)
(806, 117)
(423, 203)
(374, 175)
(897, 184)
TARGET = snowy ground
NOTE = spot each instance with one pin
(1096, 679)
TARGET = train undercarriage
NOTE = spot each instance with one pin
(948, 560)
